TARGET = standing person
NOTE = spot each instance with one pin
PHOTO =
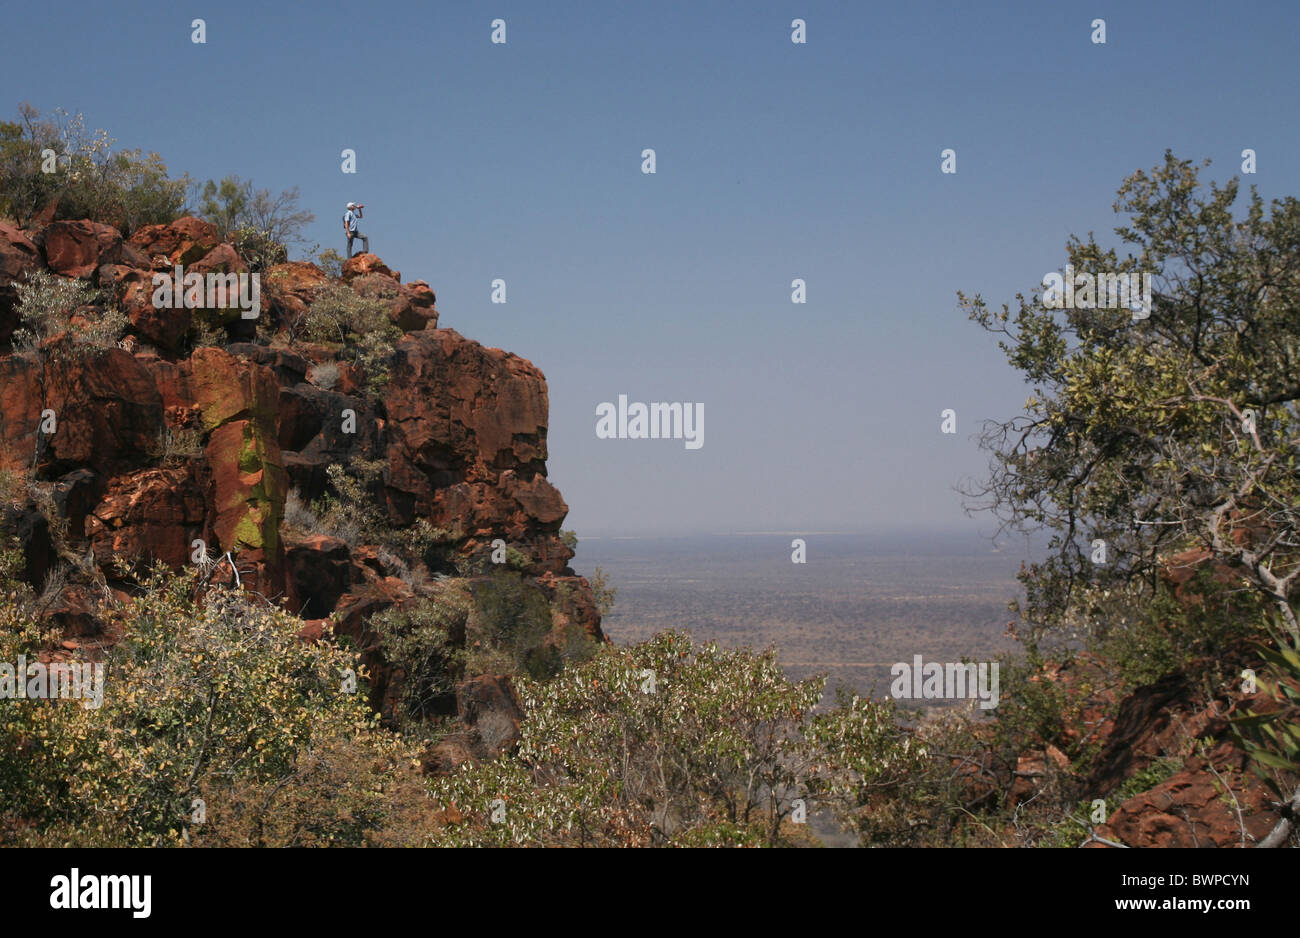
(350, 227)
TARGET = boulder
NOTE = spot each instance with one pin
(289, 367)
(223, 259)
(75, 495)
(410, 308)
(146, 516)
(290, 289)
(18, 257)
(183, 241)
(164, 327)
(359, 265)
(32, 529)
(489, 709)
(74, 612)
(78, 248)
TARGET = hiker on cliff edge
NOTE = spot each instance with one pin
(350, 227)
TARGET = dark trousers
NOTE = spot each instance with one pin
(355, 236)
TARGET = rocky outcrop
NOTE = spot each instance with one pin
(144, 449)
(1205, 793)
(1212, 801)
(466, 446)
(182, 242)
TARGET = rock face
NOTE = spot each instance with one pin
(107, 412)
(466, 446)
(1170, 726)
(162, 443)
(1191, 809)
(18, 257)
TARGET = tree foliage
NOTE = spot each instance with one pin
(58, 160)
(1156, 435)
(261, 226)
(671, 742)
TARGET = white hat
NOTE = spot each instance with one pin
(352, 205)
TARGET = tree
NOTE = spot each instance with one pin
(1179, 431)
(225, 204)
(24, 188)
(58, 160)
(260, 224)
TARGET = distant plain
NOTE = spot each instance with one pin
(859, 604)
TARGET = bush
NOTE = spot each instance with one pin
(1144, 640)
(176, 445)
(124, 188)
(260, 225)
(709, 753)
(604, 594)
(325, 375)
(298, 514)
(514, 618)
(1272, 737)
(258, 250)
(346, 792)
(331, 262)
(358, 325)
(424, 640)
(351, 512)
(217, 695)
(45, 301)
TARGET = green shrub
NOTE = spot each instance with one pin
(359, 326)
(710, 752)
(331, 262)
(1145, 639)
(514, 617)
(424, 641)
(45, 303)
(604, 594)
(123, 188)
(1272, 737)
(209, 696)
(257, 248)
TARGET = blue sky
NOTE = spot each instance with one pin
(820, 161)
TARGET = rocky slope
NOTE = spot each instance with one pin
(160, 441)
(1165, 762)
